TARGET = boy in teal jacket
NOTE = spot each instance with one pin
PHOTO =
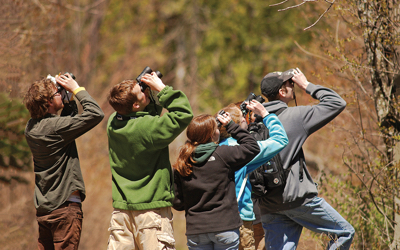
(142, 179)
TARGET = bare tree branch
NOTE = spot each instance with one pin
(370, 194)
(350, 68)
(87, 8)
(331, 4)
(312, 54)
(294, 6)
(40, 5)
(278, 3)
(305, 1)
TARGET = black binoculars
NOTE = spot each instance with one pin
(146, 70)
(61, 88)
(216, 118)
(252, 96)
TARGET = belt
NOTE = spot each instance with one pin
(65, 204)
(70, 203)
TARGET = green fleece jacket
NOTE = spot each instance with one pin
(139, 156)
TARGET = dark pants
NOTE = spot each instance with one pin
(61, 228)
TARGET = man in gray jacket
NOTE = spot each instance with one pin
(59, 186)
(286, 210)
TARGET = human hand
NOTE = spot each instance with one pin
(153, 81)
(300, 79)
(67, 82)
(257, 108)
(224, 118)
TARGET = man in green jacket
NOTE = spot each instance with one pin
(142, 178)
(59, 186)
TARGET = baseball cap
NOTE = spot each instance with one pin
(272, 82)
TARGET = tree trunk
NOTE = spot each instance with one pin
(379, 32)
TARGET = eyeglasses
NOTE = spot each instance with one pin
(57, 92)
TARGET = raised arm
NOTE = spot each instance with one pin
(317, 116)
(71, 127)
(238, 156)
(271, 146)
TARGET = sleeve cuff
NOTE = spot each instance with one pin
(78, 89)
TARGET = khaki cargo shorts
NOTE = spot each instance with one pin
(141, 230)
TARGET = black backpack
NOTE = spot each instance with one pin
(271, 174)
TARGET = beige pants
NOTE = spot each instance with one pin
(246, 236)
(141, 230)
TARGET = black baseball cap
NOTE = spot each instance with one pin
(272, 82)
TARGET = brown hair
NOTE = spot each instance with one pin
(37, 98)
(200, 131)
(234, 111)
(121, 97)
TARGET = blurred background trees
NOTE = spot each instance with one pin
(364, 47)
(216, 52)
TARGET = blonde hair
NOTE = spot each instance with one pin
(235, 113)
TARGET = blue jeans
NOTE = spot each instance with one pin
(283, 229)
(228, 240)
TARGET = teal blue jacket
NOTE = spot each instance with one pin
(139, 156)
(268, 149)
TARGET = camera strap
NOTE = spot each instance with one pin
(124, 118)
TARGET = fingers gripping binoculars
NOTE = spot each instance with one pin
(252, 96)
(147, 70)
(216, 118)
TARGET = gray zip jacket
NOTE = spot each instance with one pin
(55, 157)
(299, 123)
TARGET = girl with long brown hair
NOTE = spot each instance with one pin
(205, 184)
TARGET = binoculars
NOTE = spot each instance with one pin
(146, 70)
(216, 118)
(252, 96)
(61, 88)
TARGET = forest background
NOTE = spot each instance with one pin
(216, 52)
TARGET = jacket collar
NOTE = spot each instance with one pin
(204, 151)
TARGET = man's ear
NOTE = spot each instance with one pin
(135, 106)
(49, 103)
(282, 92)
(50, 107)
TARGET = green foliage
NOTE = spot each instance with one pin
(224, 47)
(14, 151)
(367, 208)
(243, 41)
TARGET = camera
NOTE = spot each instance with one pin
(146, 70)
(252, 96)
(61, 88)
(216, 118)
(253, 127)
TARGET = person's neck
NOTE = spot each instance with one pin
(52, 111)
(285, 100)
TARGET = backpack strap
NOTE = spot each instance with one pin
(301, 169)
(123, 117)
(301, 154)
(242, 187)
(279, 111)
